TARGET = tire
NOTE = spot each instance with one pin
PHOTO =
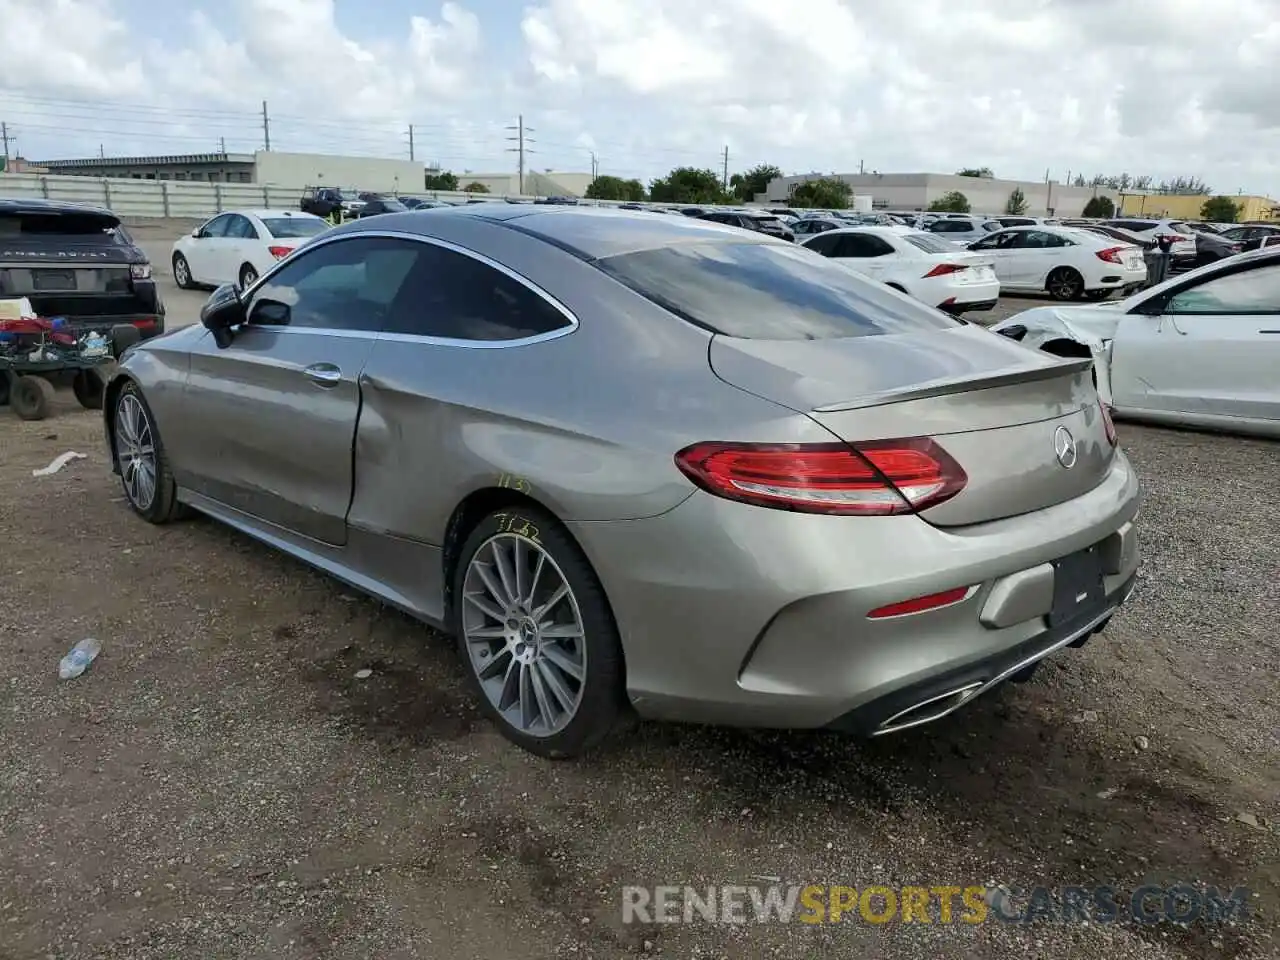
(88, 387)
(182, 273)
(1065, 284)
(162, 506)
(31, 397)
(247, 276)
(4, 388)
(515, 641)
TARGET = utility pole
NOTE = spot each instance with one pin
(266, 127)
(862, 168)
(411, 157)
(726, 168)
(520, 139)
(4, 136)
(595, 165)
(222, 143)
(102, 153)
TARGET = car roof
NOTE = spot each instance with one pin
(276, 214)
(875, 228)
(34, 205)
(588, 232)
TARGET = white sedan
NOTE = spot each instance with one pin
(919, 264)
(240, 246)
(1200, 350)
(1063, 261)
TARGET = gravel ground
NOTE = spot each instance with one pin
(220, 784)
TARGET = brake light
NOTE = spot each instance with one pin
(942, 269)
(933, 601)
(880, 478)
(140, 271)
(1108, 424)
(280, 252)
(1111, 254)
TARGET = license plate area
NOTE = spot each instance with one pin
(1078, 589)
(53, 280)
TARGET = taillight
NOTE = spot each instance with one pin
(1108, 424)
(942, 269)
(1111, 254)
(879, 478)
(140, 271)
(280, 252)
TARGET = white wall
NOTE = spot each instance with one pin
(298, 170)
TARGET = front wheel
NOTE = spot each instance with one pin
(536, 634)
(182, 272)
(1065, 284)
(139, 455)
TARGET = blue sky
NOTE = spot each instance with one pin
(1019, 86)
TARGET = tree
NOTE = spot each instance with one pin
(687, 185)
(475, 187)
(825, 192)
(952, 202)
(443, 180)
(615, 188)
(1102, 207)
(983, 172)
(1220, 210)
(745, 186)
(1017, 203)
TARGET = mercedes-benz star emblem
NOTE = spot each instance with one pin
(1064, 447)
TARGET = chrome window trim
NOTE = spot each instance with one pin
(571, 318)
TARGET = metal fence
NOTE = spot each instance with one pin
(169, 198)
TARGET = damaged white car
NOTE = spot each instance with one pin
(1200, 350)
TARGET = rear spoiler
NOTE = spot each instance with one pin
(949, 385)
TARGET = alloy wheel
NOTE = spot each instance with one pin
(524, 634)
(181, 273)
(136, 451)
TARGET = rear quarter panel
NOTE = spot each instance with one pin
(587, 424)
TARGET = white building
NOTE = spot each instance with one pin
(916, 191)
(537, 183)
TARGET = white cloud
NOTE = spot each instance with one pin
(1159, 87)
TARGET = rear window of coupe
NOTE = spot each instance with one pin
(765, 291)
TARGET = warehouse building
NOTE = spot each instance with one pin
(916, 191)
(548, 183)
(271, 167)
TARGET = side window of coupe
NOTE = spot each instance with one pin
(344, 285)
(1255, 291)
(453, 296)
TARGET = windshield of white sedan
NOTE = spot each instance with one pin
(290, 227)
(768, 292)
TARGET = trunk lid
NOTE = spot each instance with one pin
(995, 406)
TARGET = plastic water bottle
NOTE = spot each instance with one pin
(77, 661)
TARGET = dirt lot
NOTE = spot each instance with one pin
(219, 784)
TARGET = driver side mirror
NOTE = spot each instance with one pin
(222, 312)
(196, 233)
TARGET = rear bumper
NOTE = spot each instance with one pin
(1120, 279)
(944, 693)
(743, 616)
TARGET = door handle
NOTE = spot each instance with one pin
(323, 374)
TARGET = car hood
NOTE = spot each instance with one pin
(1089, 325)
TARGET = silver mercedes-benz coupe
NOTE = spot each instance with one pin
(645, 463)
